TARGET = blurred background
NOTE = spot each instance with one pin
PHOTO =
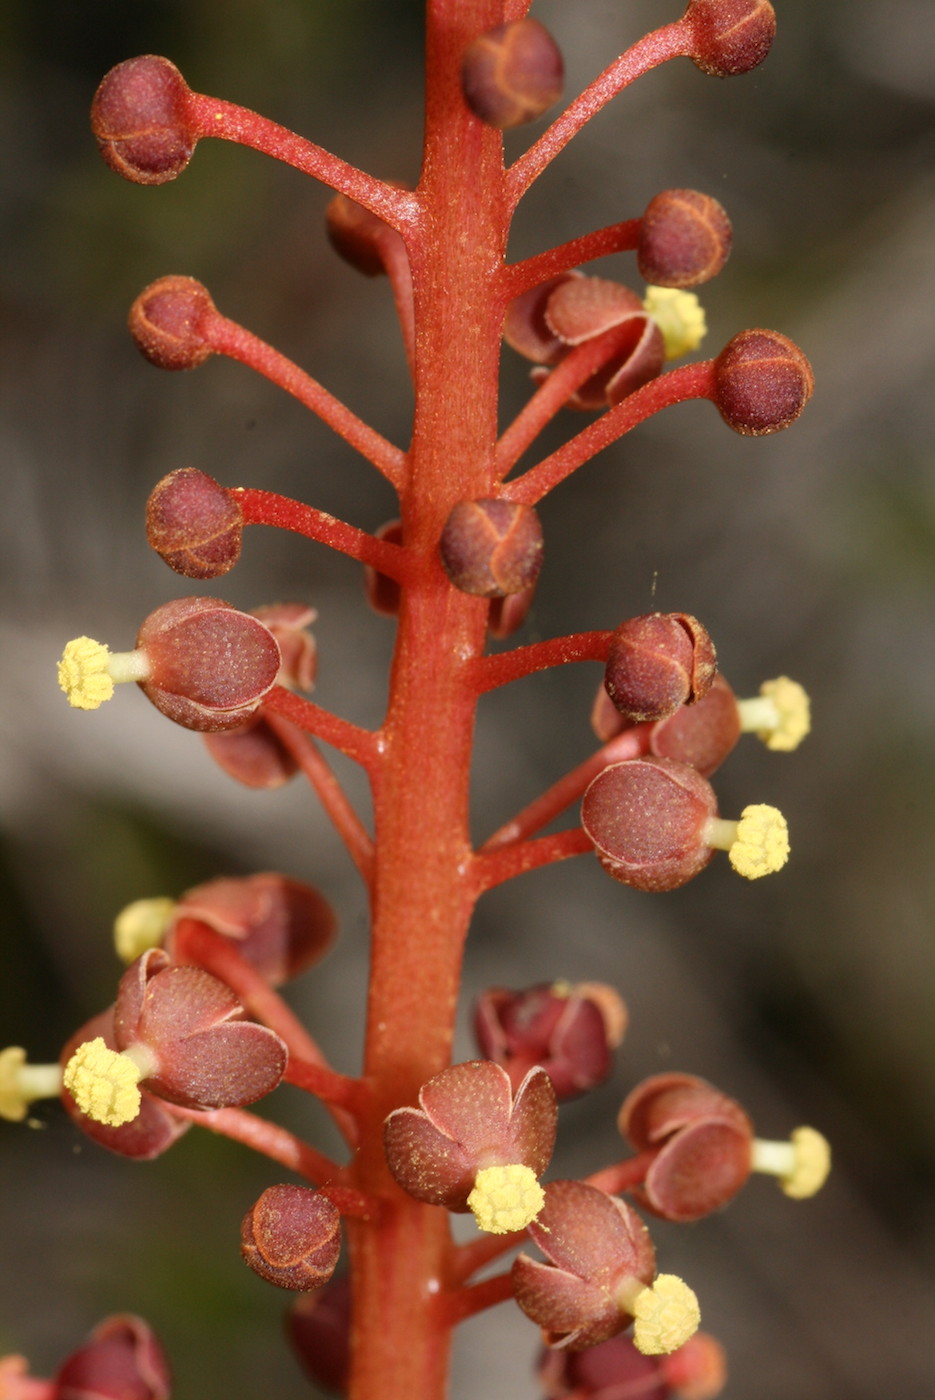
(812, 553)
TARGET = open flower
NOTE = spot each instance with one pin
(179, 1033)
(472, 1145)
(618, 1370)
(601, 1275)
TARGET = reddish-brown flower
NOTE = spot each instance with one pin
(657, 663)
(121, 1360)
(704, 1141)
(140, 116)
(617, 1370)
(569, 1031)
(292, 1237)
(469, 1123)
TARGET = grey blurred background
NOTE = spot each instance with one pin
(808, 996)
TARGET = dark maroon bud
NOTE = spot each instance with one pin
(762, 382)
(705, 1143)
(381, 590)
(647, 818)
(702, 734)
(658, 662)
(209, 665)
(121, 1360)
(358, 236)
(491, 548)
(685, 239)
(194, 524)
(140, 116)
(319, 1328)
(149, 1134)
(168, 322)
(292, 1237)
(512, 74)
(507, 615)
(569, 1031)
(730, 36)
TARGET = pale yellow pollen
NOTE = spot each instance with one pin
(89, 670)
(802, 1164)
(680, 316)
(505, 1199)
(756, 845)
(780, 715)
(104, 1082)
(142, 925)
(21, 1083)
(665, 1316)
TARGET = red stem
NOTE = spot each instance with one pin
(268, 508)
(615, 238)
(495, 867)
(476, 1254)
(226, 337)
(335, 1090)
(671, 41)
(489, 672)
(329, 791)
(264, 1137)
(689, 382)
(630, 744)
(209, 116)
(622, 1176)
(360, 744)
(467, 1302)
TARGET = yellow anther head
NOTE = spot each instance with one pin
(793, 713)
(680, 316)
(103, 1083)
(12, 1103)
(505, 1199)
(82, 673)
(762, 843)
(666, 1315)
(812, 1163)
(141, 926)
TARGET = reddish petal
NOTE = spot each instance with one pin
(426, 1163)
(534, 1121)
(699, 1170)
(572, 1311)
(471, 1103)
(225, 1066)
(593, 1235)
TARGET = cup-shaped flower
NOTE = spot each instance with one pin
(685, 239)
(472, 1145)
(491, 548)
(570, 1031)
(600, 1275)
(200, 661)
(658, 662)
(143, 1138)
(140, 116)
(654, 825)
(279, 925)
(617, 1370)
(512, 74)
(291, 1237)
(179, 1033)
(121, 1360)
(704, 1141)
(253, 753)
(730, 36)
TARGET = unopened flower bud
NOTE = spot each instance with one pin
(512, 74)
(685, 239)
(730, 36)
(121, 1360)
(491, 548)
(194, 524)
(762, 382)
(658, 662)
(319, 1326)
(383, 592)
(140, 118)
(167, 322)
(292, 1237)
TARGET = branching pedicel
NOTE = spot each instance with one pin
(198, 1031)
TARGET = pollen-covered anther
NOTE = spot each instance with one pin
(780, 715)
(757, 844)
(665, 1315)
(22, 1083)
(680, 316)
(802, 1164)
(142, 925)
(104, 1083)
(89, 670)
(505, 1199)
